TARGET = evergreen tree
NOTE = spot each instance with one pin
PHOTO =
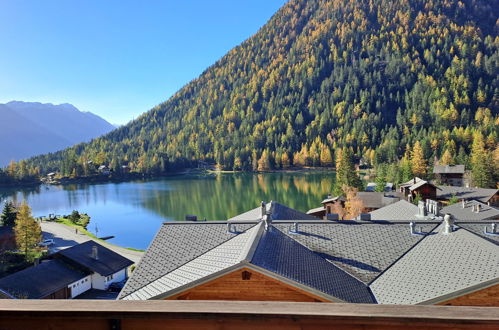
(264, 162)
(346, 176)
(27, 231)
(481, 170)
(9, 214)
(447, 158)
(326, 157)
(381, 178)
(418, 161)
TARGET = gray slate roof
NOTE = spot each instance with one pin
(282, 255)
(448, 169)
(479, 229)
(401, 210)
(364, 250)
(223, 256)
(459, 213)
(480, 194)
(109, 262)
(176, 244)
(440, 265)
(40, 281)
(278, 212)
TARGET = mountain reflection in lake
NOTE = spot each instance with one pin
(133, 211)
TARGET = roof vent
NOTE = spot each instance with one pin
(463, 203)
(412, 226)
(448, 224)
(493, 231)
(268, 220)
(263, 209)
(231, 228)
(294, 228)
(95, 253)
(478, 208)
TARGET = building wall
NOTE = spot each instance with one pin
(98, 282)
(486, 297)
(80, 286)
(102, 282)
(247, 285)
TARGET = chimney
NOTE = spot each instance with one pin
(421, 209)
(294, 228)
(268, 220)
(230, 228)
(463, 203)
(478, 208)
(412, 226)
(263, 208)
(95, 253)
(448, 224)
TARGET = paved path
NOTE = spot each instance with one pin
(65, 236)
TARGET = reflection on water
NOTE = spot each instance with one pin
(133, 211)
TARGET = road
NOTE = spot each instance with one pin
(65, 236)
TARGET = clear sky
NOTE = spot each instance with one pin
(117, 58)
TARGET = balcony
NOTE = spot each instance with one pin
(128, 315)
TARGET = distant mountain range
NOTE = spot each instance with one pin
(30, 128)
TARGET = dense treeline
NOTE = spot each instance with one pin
(373, 76)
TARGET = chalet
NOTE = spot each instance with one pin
(104, 170)
(418, 187)
(68, 273)
(384, 262)
(483, 195)
(452, 175)
(371, 200)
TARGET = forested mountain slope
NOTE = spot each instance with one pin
(374, 76)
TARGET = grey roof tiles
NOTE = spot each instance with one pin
(438, 266)
(480, 194)
(448, 169)
(401, 210)
(467, 212)
(278, 212)
(174, 245)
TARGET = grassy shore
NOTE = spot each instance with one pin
(83, 230)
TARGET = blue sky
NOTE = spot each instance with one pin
(117, 59)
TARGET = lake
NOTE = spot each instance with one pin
(133, 211)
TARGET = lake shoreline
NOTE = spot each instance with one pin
(137, 176)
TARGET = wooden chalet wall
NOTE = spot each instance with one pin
(249, 285)
(488, 297)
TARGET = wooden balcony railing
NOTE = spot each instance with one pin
(127, 315)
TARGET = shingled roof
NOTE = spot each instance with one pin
(349, 261)
(471, 210)
(479, 194)
(41, 280)
(109, 262)
(448, 169)
(277, 212)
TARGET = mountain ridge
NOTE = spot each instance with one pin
(31, 128)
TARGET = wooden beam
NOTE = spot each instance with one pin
(97, 315)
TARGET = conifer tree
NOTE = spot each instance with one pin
(326, 157)
(447, 158)
(481, 170)
(9, 214)
(418, 161)
(264, 162)
(345, 172)
(27, 231)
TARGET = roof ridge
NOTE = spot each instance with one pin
(193, 258)
(400, 257)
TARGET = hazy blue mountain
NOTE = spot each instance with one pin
(31, 128)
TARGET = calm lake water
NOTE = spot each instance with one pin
(133, 211)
